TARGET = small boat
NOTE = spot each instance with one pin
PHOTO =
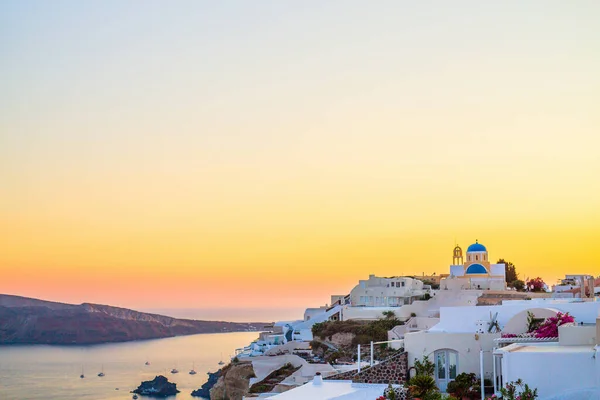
(174, 371)
(101, 374)
(82, 375)
(193, 372)
(147, 363)
(221, 362)
(134, 396)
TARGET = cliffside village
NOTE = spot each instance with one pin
(466, 325)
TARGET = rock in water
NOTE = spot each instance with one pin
(157, 387)
(204, 390)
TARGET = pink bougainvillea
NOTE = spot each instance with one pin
(548, 328)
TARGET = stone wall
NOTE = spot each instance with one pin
(393, 370)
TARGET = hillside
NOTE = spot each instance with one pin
(31, 321)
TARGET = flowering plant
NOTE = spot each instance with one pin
(547, 329)
(516, 391)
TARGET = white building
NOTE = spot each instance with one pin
(313, 312)
(581, 286)
(386, 292)
(454, 344)
(567, 370)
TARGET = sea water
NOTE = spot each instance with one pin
(52, 372)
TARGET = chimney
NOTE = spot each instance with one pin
(318, 379)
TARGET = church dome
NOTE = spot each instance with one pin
(476, 269)
(476, 247)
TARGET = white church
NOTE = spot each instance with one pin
(477, 272)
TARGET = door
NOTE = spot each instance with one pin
(446, 367)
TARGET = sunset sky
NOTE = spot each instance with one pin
(218, 154)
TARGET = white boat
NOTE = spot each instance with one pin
(221, 362)
(101, 374)
(192, 371)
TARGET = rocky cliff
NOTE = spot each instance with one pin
(31, 321)
(234, 382)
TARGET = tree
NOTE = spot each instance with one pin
(511, 271)
(389, 314)
(518, 284)
(536, 285)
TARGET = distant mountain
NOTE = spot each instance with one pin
(31, 321)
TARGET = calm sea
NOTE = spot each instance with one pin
(52, 372)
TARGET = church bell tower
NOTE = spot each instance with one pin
(457, 259)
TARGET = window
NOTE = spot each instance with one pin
(402, 283)
(392, 284)
(476, 258)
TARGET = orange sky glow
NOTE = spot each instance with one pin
(280, 155)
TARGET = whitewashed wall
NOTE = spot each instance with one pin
(554, 374)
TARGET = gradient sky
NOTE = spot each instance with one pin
(268, 154)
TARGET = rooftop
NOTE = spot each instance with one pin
(476, 247)
(547, 348)
(333, 390)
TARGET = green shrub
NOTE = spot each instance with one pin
(464, 386)
(422, 385)
(375, 331)
(424, 367)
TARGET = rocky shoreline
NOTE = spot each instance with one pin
(204, 390)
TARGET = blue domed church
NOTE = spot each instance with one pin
(477, 271)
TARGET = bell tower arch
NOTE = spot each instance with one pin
(457, 258)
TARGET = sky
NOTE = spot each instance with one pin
(268, 154)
